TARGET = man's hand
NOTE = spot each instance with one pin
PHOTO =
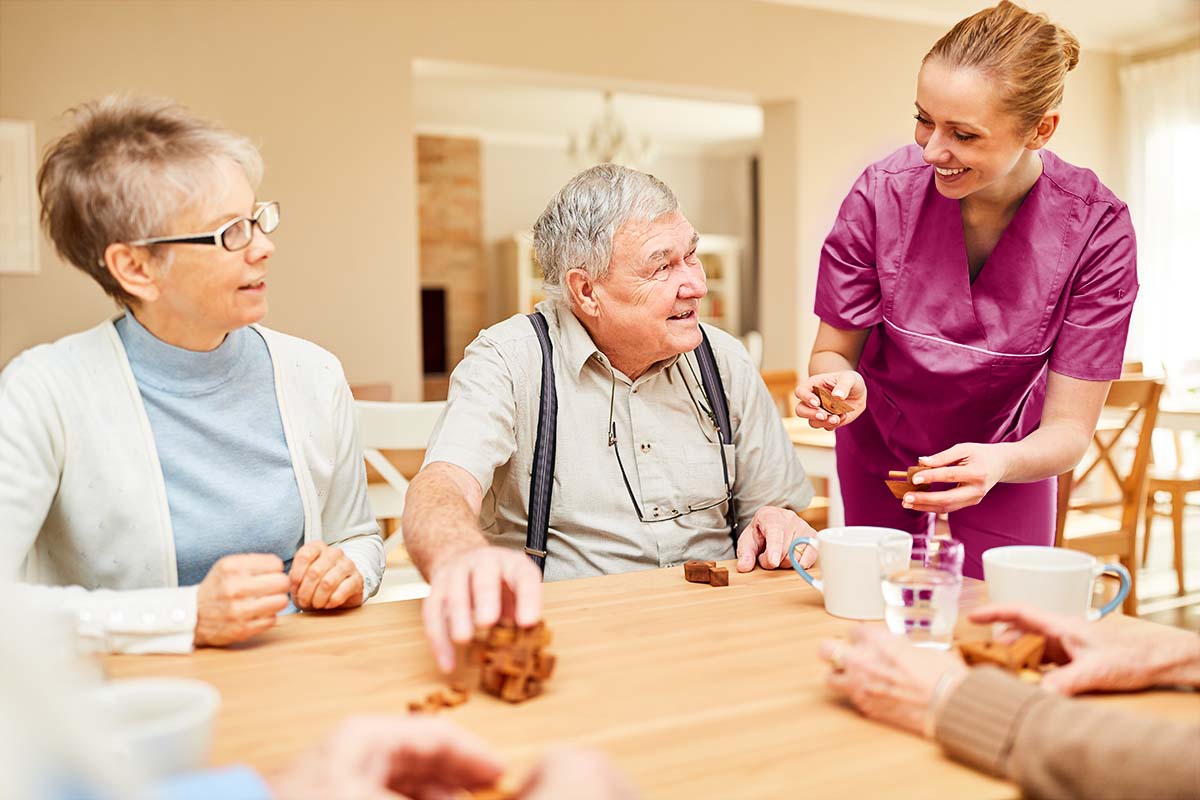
(847, 385)
(1105, 655)
(474, 589)
(767, 537)
(239, 598)
(324, 577)
(371, 758)
(976, 468)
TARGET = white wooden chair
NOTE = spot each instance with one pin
(392, 426)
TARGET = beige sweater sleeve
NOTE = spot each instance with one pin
(1052, 746)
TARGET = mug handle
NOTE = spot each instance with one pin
(1120, 573)
(816, 583)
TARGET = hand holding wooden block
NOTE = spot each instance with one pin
(831, 403)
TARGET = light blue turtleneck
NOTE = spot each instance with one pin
(225, 461)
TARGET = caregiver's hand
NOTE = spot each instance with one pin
(847, 385)
(976, 468)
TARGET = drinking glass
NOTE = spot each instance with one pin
(921, 589)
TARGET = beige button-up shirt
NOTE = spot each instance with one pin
(668, 446)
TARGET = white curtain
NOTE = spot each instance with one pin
(1162, 112)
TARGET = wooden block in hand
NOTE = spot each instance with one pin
(1025, 653)
(697, 571)
(718, 576)
(833, 405)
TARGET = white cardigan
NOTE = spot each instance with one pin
(84, 522)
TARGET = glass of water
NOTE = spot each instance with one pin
(921, 589)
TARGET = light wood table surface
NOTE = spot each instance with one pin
(695, 691)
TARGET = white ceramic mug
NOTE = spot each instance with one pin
(1049, 578)
(164, 724)
(850, 578)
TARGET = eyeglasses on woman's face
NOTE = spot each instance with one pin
(234, 235)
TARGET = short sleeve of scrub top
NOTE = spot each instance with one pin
(848, 294)
(1091, 344)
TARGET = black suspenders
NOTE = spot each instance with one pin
(541, 482)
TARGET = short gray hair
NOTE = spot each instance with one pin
(576, 230)
(126, 169)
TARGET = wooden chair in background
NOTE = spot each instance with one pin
(781, 383)
(1104, 526)
(393, 438)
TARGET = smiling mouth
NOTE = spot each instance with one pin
(950, 173)
(684, 316)
(251, 287)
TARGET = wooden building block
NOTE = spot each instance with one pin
(1025, 653)
(697, 571)
(718, 576)
(833, 405)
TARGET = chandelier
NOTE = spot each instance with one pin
(610, 141)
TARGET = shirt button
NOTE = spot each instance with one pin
(148, 619)
(116, 617)
(645, 447)
(656, 511)
(178, 615)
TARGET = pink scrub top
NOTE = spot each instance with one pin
(950, 361)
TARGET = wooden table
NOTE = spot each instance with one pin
(695, 691)
(815, 447)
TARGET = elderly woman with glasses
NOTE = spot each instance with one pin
(171, 476)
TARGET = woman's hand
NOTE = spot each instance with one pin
(845, 385)
(324, 577)
(976, 468)
(239, 598)
(888, 679)
(1106, 655)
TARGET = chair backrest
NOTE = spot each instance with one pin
(1134, 400)
(393, 426)
(781, 383)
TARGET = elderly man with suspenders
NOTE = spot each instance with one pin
(608, 431)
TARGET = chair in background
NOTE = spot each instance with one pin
(389, 427)
(1102, 526)
(781, 384)
(1174, 471)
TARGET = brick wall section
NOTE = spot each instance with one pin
(450, 222)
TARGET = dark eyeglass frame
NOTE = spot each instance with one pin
(704, 411)
(217, 237)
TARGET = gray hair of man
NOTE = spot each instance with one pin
(577, 228)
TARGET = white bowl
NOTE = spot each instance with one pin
(164, 725)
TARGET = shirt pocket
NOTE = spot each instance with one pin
(704, 481)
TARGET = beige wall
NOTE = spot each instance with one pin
(325, 88)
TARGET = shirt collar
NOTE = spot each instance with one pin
(576, 343)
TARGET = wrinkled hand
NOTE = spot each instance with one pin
(847, 385)
(475, 588)
(324, 577)
(239, 598)
(371, 757)
(976, 468)
(888, 679)
(1103, 655)
(578, 774)
(767, 537)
